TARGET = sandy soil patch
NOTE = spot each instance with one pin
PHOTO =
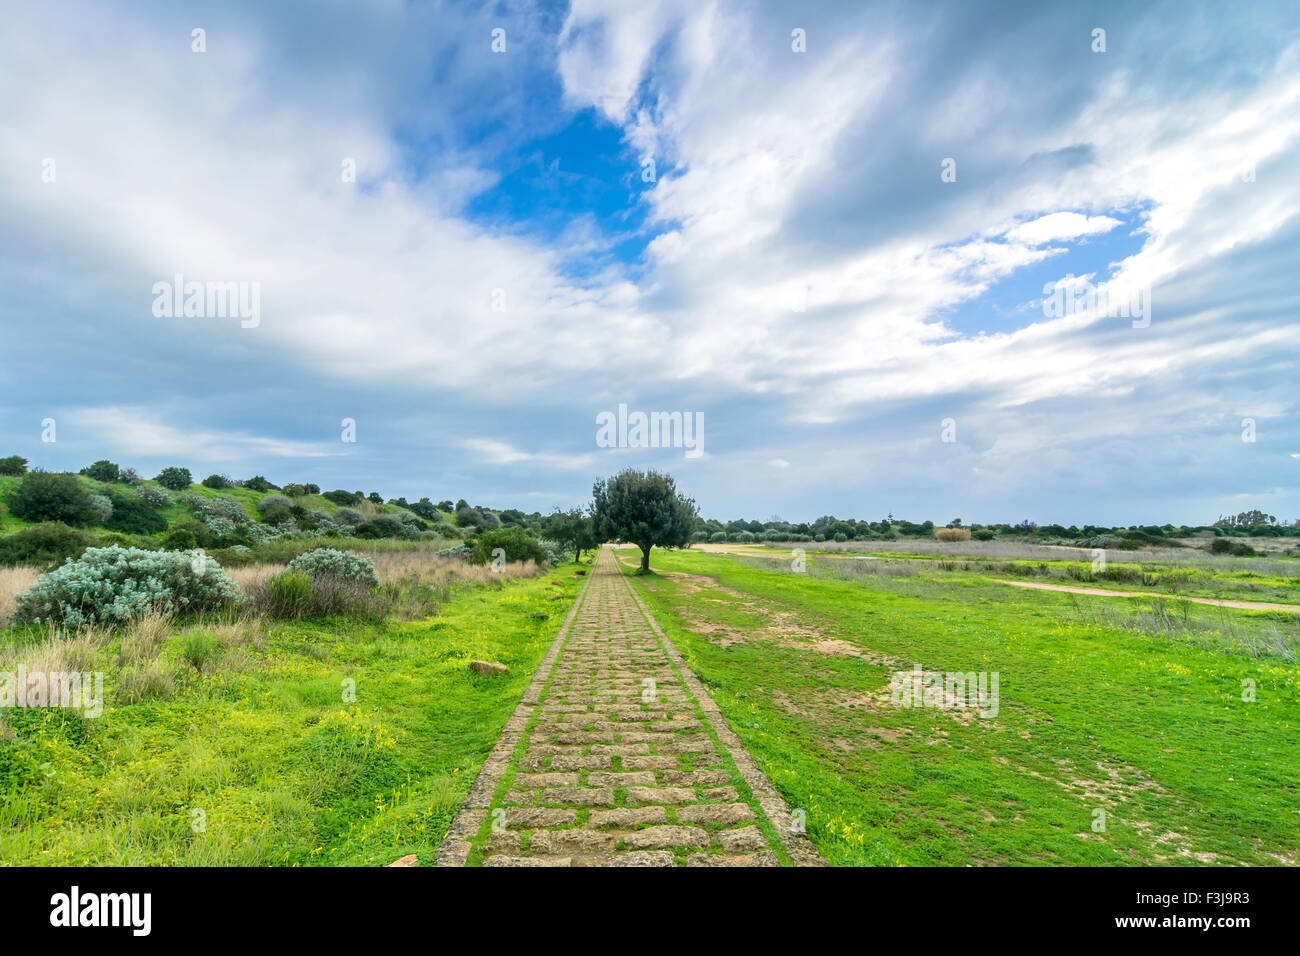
(1099, 592)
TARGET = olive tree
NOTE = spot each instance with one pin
(643, 508)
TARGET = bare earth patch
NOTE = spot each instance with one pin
(1100, 592)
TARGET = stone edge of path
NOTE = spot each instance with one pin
(797, 845)
(455, 847)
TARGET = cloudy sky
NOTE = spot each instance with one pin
(834, 231)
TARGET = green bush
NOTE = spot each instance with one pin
(1236, 548)
(295, 594)
(115, 584)
(217, 482)
(103, 470)
(258, 483)
(132, 516)
(288, 595)
(13, 465)
(203, 538)
(517, 544)
(341, 497)
(177, 479)
(983, 534)
(382, 527)
(42, 545)
(181, 539)
(329, 563)
(348, 517)
(43, 496)
(275, 509)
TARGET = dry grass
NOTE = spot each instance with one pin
(59, 651)
(250, 576)
(13, 581)
(142, 638)
(952, 534)
(432, 569)
(155, 680)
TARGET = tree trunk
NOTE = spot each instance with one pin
(645, 559)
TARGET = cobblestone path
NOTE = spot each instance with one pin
(616, 756)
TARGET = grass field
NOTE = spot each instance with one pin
(1131, 709)
(231, 742)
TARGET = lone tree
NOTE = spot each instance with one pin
(643, 508)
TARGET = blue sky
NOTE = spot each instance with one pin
(796, 270)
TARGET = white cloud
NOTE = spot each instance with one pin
(503, 453)
(1060, 225)
(132, 430)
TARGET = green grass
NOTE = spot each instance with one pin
(1147, 725)
(259, 740)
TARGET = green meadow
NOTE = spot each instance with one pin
(1127, 731)
(265, 742)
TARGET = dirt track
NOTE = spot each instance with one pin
(1244, 605)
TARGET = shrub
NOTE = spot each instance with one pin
(13, 465)
(273, 501)
(43, 496)
(329, 563)
(517, 544)
(385, 527)
(349, 517)
(102, 507)
(181, 539)
(425, 509)
(217, 482)
(341, 497)
(177, 479)
(132, 516)
(288, 595)
(116, 584)
(43, 545)
(296, 594)
(952, 534)
(1237, 548)
(154, 497)
(557, 552)
(103, 470)
(275, 509)
(983, 534)
(718, 537)
(258, 483)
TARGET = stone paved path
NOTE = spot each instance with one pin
(616, 756)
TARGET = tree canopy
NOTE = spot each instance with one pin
(643, 508)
